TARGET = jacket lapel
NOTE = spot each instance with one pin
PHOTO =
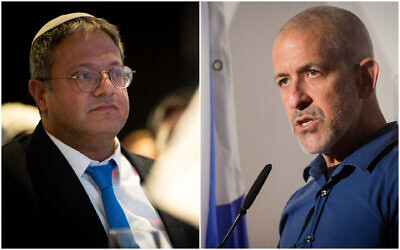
(47, 163)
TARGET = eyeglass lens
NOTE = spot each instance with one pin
(89, 80)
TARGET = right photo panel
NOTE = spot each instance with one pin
(299, 132)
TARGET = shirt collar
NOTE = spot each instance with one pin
(315, 169)
(362, 157)
(78, 161)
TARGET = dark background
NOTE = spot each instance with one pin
(161, 43)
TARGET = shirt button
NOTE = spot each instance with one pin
(308, 238)
(323, 193)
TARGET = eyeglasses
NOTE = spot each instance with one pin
(88, 80)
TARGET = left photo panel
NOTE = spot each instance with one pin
(100, 125)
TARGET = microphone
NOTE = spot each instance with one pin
(249, 199)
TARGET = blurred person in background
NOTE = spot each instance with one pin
(167, 113)
(161, 123)
(17, 119)
(141, 142)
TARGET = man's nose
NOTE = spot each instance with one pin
(105, 86)
(298, 97)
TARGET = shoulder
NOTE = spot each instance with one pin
(14, 157)
(387, 159)
(18, 145)
(18, 196)
(385, 166)
(386, 173)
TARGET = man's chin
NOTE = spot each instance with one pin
(317, 145)
(312, 145)
(309, 150)
(107, 128)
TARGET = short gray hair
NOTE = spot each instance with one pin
(41, 53)
(341, 29)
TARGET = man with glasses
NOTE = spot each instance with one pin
(70, 183)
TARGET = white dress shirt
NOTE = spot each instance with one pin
(144, 221)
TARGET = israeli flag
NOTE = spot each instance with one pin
(222, 186)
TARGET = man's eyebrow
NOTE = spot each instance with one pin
(308, 66)
(324, 66)
(116, 63)
(279, 75)
(301, 69)
(88, 64)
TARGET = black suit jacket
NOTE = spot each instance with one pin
(45, 205)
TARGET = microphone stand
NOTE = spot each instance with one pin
(249, 199)
(242, 211)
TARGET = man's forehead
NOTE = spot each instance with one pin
(298, 50)
(293, 42)
(316, 39)
(311, 32)
(87, 38)
(79, 47)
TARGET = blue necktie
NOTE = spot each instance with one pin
(102, 175)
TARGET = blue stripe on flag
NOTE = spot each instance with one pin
(221, 212)
(221, 218)
(212, 239)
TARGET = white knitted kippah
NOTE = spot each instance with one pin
(57, 21)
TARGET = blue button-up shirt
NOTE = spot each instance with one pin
(357, 207)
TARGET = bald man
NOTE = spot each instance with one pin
(324, 66)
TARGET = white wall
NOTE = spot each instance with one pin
(263, 130)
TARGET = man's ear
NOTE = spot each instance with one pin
(38, 91)
(369, 70)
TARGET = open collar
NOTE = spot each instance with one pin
(78, 161)
(361, 158)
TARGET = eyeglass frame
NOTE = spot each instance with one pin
(98, 81)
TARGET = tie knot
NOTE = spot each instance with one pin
(102, 174)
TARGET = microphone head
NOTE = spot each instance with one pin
(248, 200)
(256, 187)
